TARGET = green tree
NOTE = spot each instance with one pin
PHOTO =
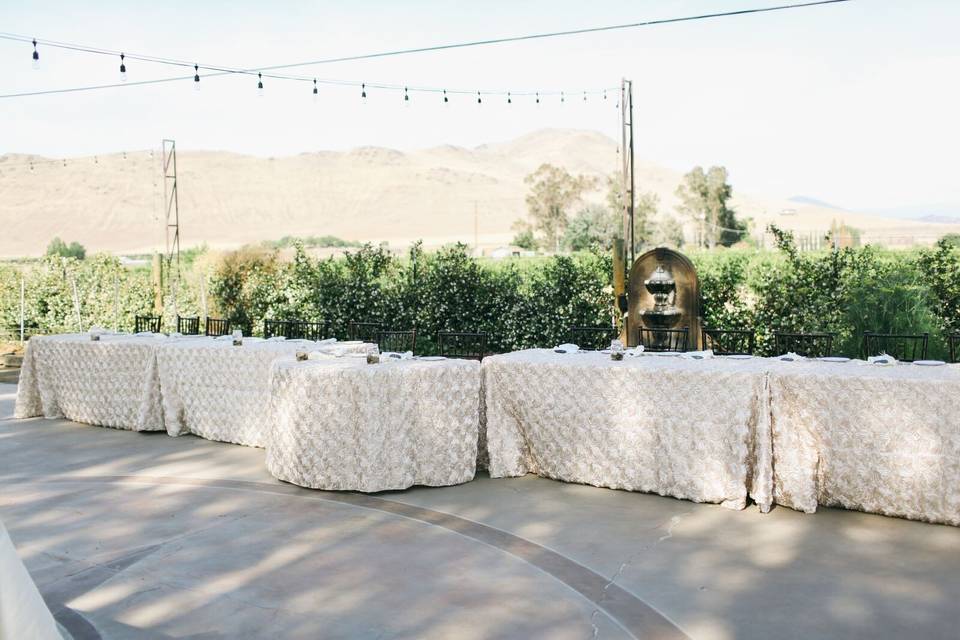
(58, 247)
(553, 191)
(705, 197)
(668, 231)
(594, 227)
(525, 239)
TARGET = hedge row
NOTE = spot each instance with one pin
(520, 303)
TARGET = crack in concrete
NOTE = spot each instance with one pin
(673, 522)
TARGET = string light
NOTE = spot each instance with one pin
(260, 84)
(36, 56)
(538, 97)
(363, 91)
(315, 90)
(123, 69)
(196, 77)
(406, 96)
(561, 96)
(584, 96)
(479, 101)
(509, 101)
(446, 100)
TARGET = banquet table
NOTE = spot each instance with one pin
(218, 391)
(882, 439)
(692, 429)
(111, 382)
(23, 613)
(342, 424)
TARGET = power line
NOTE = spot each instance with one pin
(216, 70)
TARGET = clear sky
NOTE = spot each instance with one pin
(854, 103)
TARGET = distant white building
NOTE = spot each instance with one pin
(509, 251)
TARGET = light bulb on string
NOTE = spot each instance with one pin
(584, 96)
(479, 101)
(406, 98)
(196, 80)
(123, 69)
(561, 97)
(259, 84)
(446, 100)
(36, 56)
(315, 92)
(363, 90)
(538, 97)
(509, 100)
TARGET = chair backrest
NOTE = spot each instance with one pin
(954, 342)
(366, 331)
(303, 330)
(274, 328)
(146, 323)
(730, 342)
(592, 338)
(664, 340)
(398, 341)
(467, 346)
(188, 326)
(903, 347)
(809, 345)
(217, 327)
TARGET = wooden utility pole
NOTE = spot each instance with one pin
(626, 147)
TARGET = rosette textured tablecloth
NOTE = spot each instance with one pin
(111, 382)
(219, 391)
(341, 424)
(879, 439)
(692, 429)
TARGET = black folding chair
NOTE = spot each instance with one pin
(188, 326)
(467, 346)
(954, 342)
(664, 340)
(302, 330)
(365, 331)
(808, 345)
(903, 347)
(730, 342)
(217, 327)
(147, 323)
(398, 341)
(274, 328)
(592, 338)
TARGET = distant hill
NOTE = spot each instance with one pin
(815, 202)
(114, 202)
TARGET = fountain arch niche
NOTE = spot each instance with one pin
(663, 291)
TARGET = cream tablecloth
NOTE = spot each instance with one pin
(692, 429)
(879, 439)
(346, 425)
(217, 391)
(110, 383)
(23, 613)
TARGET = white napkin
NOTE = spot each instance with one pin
(882, 360)
(697, 355)
(393, 355)
(635, 351)
(787, 357)
(567, 348)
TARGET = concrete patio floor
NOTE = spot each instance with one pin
(145, 536)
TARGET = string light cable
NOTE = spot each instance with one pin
(218, 70)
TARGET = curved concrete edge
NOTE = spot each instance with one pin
(635, 616)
